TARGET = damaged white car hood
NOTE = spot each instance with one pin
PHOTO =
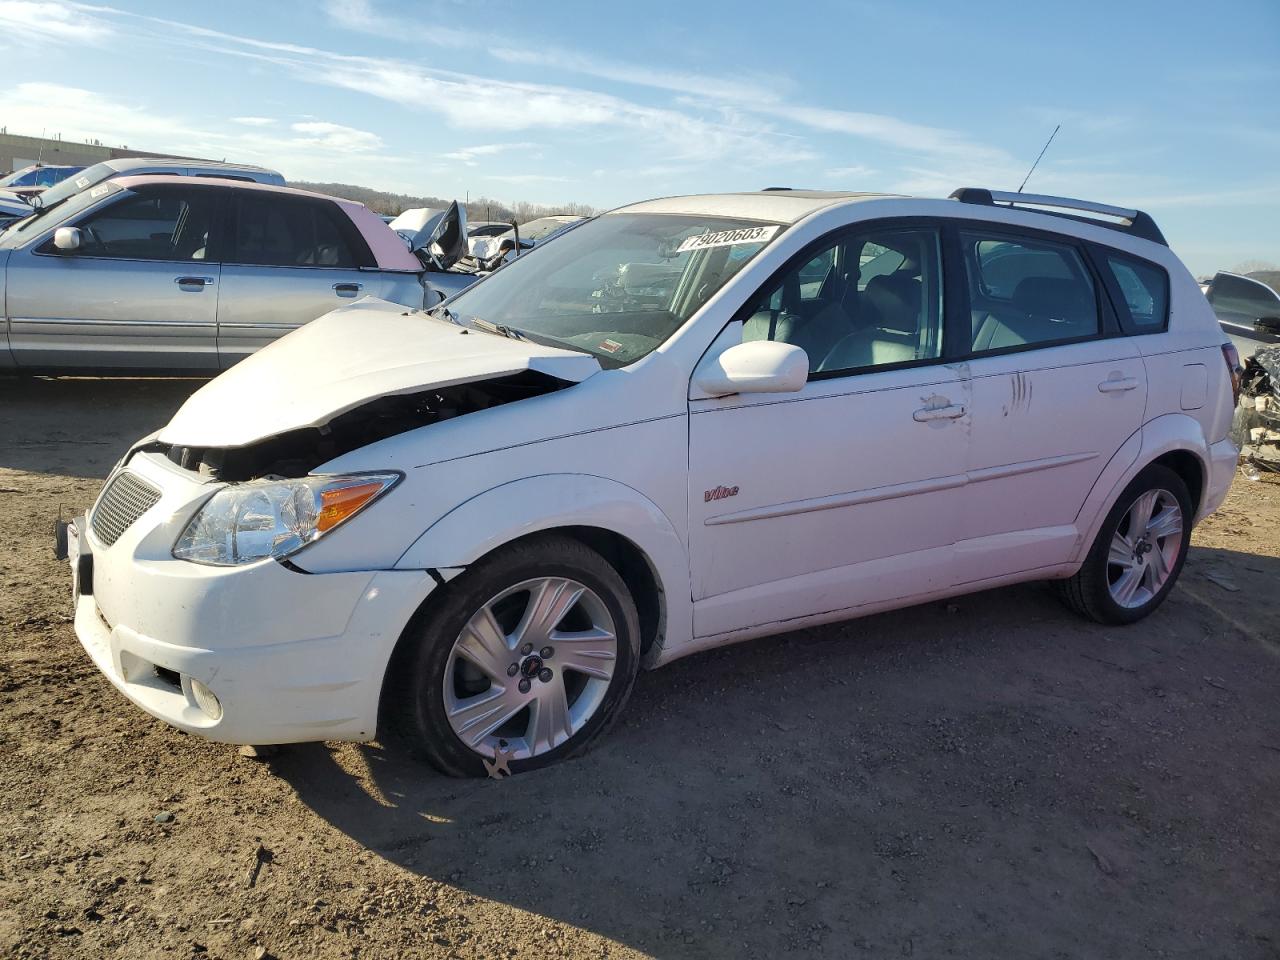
(346, 358)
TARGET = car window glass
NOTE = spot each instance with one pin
(278, 232)
(168, 225)
(1238, 298)
(1146, 291)
(1025, 292)
(617, 286)
(846, 321)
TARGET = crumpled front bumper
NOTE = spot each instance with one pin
(290, 656)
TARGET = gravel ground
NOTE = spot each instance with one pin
(986, 778)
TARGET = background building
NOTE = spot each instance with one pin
(17, 151)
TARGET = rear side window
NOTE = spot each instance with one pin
(1025, 292)
(1145, 288)
(288, 232)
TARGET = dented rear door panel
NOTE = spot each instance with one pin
(1045, 423)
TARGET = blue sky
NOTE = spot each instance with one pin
(1169, 106)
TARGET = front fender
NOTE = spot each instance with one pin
(535, 504)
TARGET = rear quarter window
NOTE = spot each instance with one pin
(1145, 289)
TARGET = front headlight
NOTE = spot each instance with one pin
(274, 518)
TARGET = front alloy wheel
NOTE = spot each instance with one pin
(530, 653)
(530, 668)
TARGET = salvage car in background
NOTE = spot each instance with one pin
(36, 179)
(1247, 308)
(165, 273)
(481, 521)
(140, 166)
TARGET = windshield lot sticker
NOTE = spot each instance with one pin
(96, 192)
(729, 238)
(610, 346)
(82, 182)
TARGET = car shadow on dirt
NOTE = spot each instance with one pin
(987, 775)
(79, 427)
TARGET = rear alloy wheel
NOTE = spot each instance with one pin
(1139, 551)
(529, 657)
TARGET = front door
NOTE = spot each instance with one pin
(141, 292)
(848, 492)
(293, 259)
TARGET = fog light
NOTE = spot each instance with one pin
(206, 700)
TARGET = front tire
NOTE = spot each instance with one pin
(1138, 553)
(530, 653)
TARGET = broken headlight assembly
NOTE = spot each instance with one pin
(259, 519)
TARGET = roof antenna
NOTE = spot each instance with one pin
(1037, 163)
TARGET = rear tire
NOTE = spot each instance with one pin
(1138, 553)
(474, 677)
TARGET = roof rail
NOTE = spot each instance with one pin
(1133, 222)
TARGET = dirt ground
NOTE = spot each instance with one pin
(987, 778)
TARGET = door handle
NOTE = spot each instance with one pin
(951, 411)
(1118, 385)
(346, 288)
(194, 281)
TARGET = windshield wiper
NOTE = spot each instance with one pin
(501, 329)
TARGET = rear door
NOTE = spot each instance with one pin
(1056, 391)
(292, 259)
(141, 293)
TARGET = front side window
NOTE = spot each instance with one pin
(288, 232)
(866, 300)
(1145, 288)
(618, 286)
(1026, 292)
(151, 225)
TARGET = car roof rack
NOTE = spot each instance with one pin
(1133, 222)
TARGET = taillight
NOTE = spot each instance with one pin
(1232, 356)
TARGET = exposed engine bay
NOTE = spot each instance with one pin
(298, 452)
(1256, 426)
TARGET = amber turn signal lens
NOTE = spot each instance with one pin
(337, 505)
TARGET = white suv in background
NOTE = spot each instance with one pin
(685, 423)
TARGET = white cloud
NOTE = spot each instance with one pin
(469, 155)
(254, 121)
(25, 21)
(526, 178)
(732, 89)
(334, 136)
(310, 150)
(855, 172)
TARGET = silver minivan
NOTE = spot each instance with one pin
(164, 273)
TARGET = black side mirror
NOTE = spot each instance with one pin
(1267, 325)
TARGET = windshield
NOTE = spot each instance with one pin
(618, 286)
(12, 179)
(72, 185)
(20, 231)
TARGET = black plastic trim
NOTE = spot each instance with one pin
(1140, 226)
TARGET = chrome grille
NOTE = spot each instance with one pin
(125, 499)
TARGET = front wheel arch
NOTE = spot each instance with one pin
(631, 563)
